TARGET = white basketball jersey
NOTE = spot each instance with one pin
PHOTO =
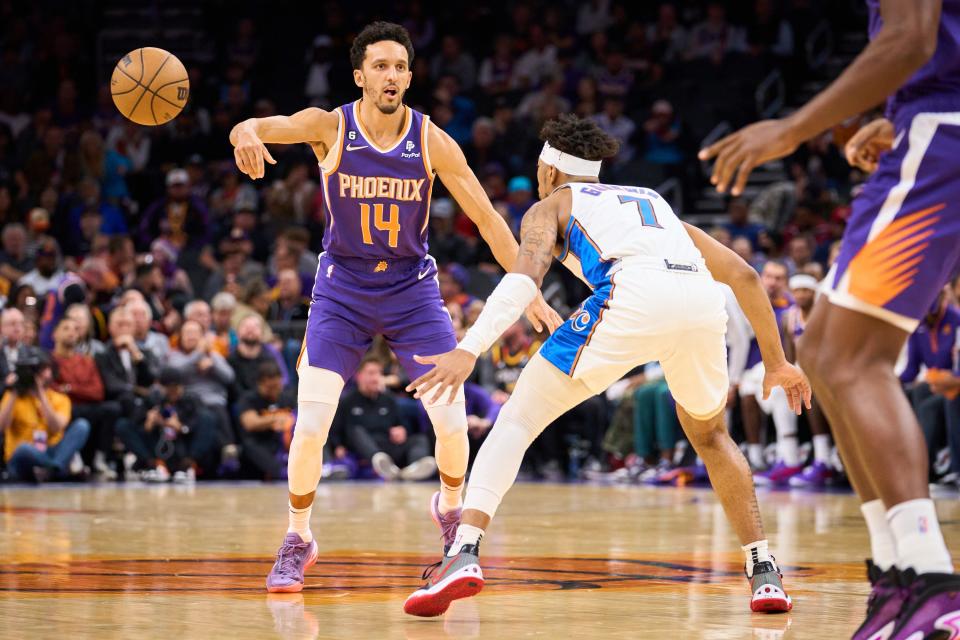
(610, 223)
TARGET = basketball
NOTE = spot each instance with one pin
(150, 86)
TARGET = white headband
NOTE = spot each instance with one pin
(571, 165)
(804, 281)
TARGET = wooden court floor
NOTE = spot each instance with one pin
(562, 561)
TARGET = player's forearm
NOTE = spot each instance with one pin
(756, 306)
(272, 130)
(497, 234)
(504, 307)
(885, 64)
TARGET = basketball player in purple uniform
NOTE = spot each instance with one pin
(378, 159)
(901, 245)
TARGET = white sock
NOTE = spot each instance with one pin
(755, 455)
(821, 447)
(920, 544)
(882, 545)
(755, 552)
(451, 498)
(466, 534)
(300, 522)
(788, 450)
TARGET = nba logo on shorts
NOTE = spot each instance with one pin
(922, 524)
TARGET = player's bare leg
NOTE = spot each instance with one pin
(452, 454)
(733, 483)
(319, 391)
(850, 357)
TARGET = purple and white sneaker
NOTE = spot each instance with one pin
(448, 522)
(932, 607)
(884, 604)
(294, 557)
(818, 474)
(777, 475)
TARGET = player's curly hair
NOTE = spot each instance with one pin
(378, 32)
(579, 137)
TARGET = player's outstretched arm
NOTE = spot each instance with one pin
(452, 168)
(312, 125)
(906, 42)
(729, 268)
(451, 165)
(516, 291)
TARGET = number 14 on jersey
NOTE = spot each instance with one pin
(390, 223)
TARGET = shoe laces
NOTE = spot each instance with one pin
(287, 556)
(429, 570)
(448, 529)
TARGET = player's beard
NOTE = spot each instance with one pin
(387, 108)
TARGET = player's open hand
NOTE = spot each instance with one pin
(864, 148)
(540, 314)
(742, 151)
(793, 381)
(250, 154)
(447, 376)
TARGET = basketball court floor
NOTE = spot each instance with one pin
(561, 561)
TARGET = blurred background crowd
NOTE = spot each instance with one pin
(154, 299)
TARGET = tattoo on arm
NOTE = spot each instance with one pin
(538, 236)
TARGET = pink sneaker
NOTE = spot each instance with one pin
(447, 522)
(294, 557)
(777, 476)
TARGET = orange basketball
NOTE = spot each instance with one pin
(150, 86)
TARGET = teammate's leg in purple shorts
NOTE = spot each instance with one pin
(901, 245)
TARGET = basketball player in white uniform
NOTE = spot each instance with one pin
(654, 298)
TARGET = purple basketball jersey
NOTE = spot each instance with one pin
(936, 85)
(375, 276)
(377, 200)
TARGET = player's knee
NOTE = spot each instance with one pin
(449, 422)
(314, 419)
(513, 416)
(709, 433)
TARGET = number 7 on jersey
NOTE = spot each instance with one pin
(645, 208)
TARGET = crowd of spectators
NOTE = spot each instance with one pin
(154, 298)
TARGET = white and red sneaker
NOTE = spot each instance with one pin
(766, 586)
(452, 578)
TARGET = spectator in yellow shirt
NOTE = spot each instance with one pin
(40, 438)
